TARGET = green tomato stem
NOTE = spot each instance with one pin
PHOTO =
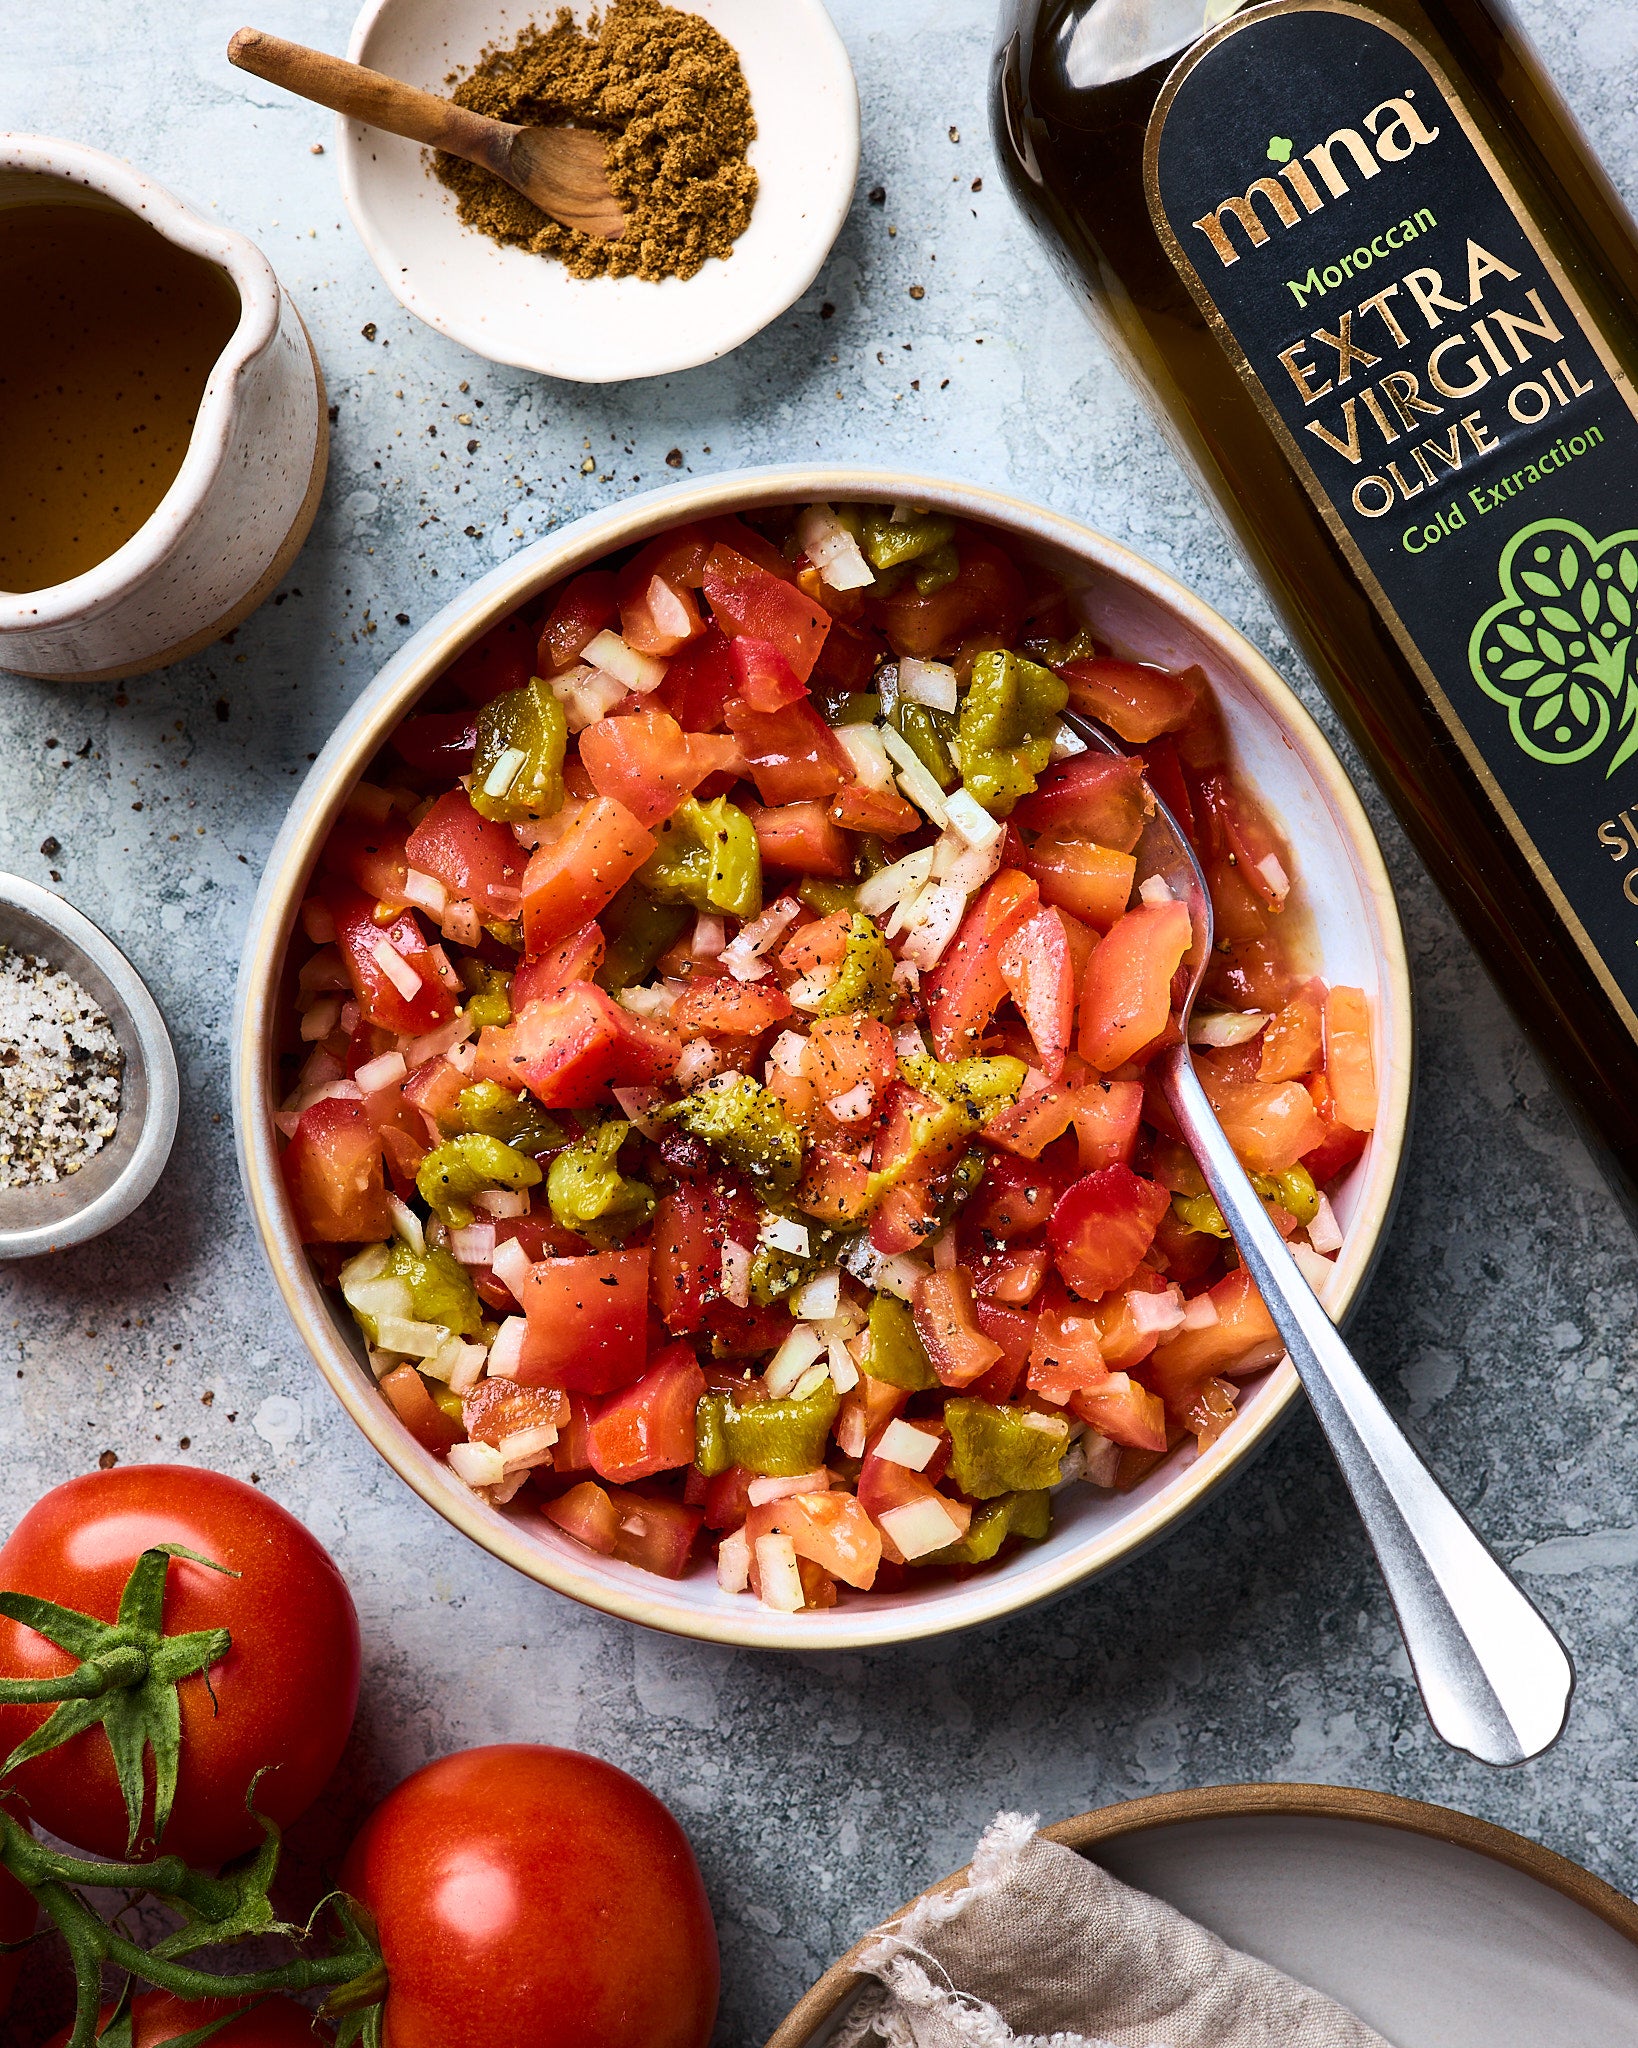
(124, 1665)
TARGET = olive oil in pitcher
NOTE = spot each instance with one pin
(1384, 303)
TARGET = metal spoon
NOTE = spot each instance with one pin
(561, 170)
(1495, 1679)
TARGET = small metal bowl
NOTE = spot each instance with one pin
(54, 1215)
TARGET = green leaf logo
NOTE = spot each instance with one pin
(1558, 650)
(1279, 149)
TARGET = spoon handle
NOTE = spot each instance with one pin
(1495, 1678)
(372, 97)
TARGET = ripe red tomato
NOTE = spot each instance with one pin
(285, 1692)
(160, 2016)
(539, 1898)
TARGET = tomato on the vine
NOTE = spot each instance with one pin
(535, 1897)
(16, 1924)
(280, 1701)
(160, 2016)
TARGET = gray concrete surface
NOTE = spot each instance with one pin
(1257, 1643)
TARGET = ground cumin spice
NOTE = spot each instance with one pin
(668, 90)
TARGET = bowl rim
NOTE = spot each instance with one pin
(365, 727)
(153, 1047)
(1086, 1832)
(818, 232)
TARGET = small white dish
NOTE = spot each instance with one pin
(53, 1215)
(527, 310)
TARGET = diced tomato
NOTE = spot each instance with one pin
(882, 812)
(655, 1535)
(572, 1451)
(1270, 1124)
(1126, 1000)
(903, 1216)
(438, 742)
(746, 599)
(1013, 1330)
(332, 1170)
(567, 1051)
(415, 1408)
(1294, 1043)
(747, 1332)
(588, 1322)
(948, 1328)
(1340, 1146)
(728, 1498)
(370, 856)
(792, 753)
(831, 1529)
(1250, 977)
(434, 1089)
(585, 608)
(1015, 1197)
(812, 947)
(472, 856)
(1010, 1274)
(692, 1222)
(1093, 883)
(545, 976)
(1124, 1344)
(1190, 1255)
(1035, 965)
(644, 760)
(699, 681)
(963, 989)
(1093, 796)
(1349, 1070)
(587, 1514)
(1133, 700)
(723, 1007)
(648, 1427)
(801, 839)
(1107, 1116)
(835, 1183)
(578, 874)
(852, 1064)
(380, 999)
(1102, 1226)
(1066, 1356)
(1242, 1340)
(660, 617)
(678, 555)
(498, 1408)
(1123, 1411)
(987, 597)
(866, 1409)
(848, 659)
(765, 679)
(504, 659)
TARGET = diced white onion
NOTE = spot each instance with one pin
(386, 1070)
(667, 610)
(854, 1105)
(971, 820)
(1325, 1232)
(709, 938)
(320, 1018)
(885, 683)
(466, 1363)
(919, 1527)
(927, 682)
(475, 1245)
(1067, 743)
(369, 1264)
(397, 969)
(1272, 870)
(734, 1562)
(444, 968)
(586, 694)
(459, 923)
(431, 1043)
(348, 1021)
(697, 1062)
(1155, 889)
(1315, 1269)
(608, 652)
(478, 1464)
(944, 1252)
(647, 1002)
(890, 885)
(863, 746)
(511, 1266)
(776, 1572)
(792, 1359)
(901, 1443)
(1100, 1459)
(850, 1429)
(1225, 1027)
(899, 1274)
(758, 937)
(965, 867)
(1200, 1313)
(506, 1353)
(843, 1372)
(909, 1044)
(413, 1339)
(505, 771)
(818, 1299)
(500, 1202)
(636, 1106)
(832, 550)
(813, 1379)
(861, 1258)
(761, 1491)
(427, 890)
(810, 991)
(933, 921)
(736, 1274)
(788, 1052)
(785, 1234)
(525, 1447)
(914, 779)
(407, 1225)
(1158, 1314)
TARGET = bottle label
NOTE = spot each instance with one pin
(1446, 399)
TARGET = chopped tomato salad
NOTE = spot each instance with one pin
(722, 1020)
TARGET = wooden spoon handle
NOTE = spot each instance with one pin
(372, 97)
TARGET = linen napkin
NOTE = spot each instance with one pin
(1042, 1949)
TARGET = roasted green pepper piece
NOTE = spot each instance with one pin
(637, 931)
(865, 981)
(489, 997)
(888, 543)
(1009, 719)
(936, 570)
(738, 1117)
(517, 1120)
(440, 1291)
(461, 1167)
(1294, 1190)
(978, 1087)
(588, 1192)
(825, 897)
(775, 1439)
(1003, 1450)
(708, 857)
(522, 735)
(925, 731)
(1014, 1514)
(896, 1353)
(861, 707)
(1200, 1214)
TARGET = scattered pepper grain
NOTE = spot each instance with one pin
(668, 91)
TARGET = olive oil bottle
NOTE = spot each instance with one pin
(1384, 303)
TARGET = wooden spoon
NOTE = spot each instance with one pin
(561, 170)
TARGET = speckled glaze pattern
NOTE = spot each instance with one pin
(247, 479)
(819, 1791)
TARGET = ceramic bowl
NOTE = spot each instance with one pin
(1356, 940)
(55, 1215)
(238, 510)
(1436, 1929)
(519, 308)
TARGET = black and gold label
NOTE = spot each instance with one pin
(1447, 401)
